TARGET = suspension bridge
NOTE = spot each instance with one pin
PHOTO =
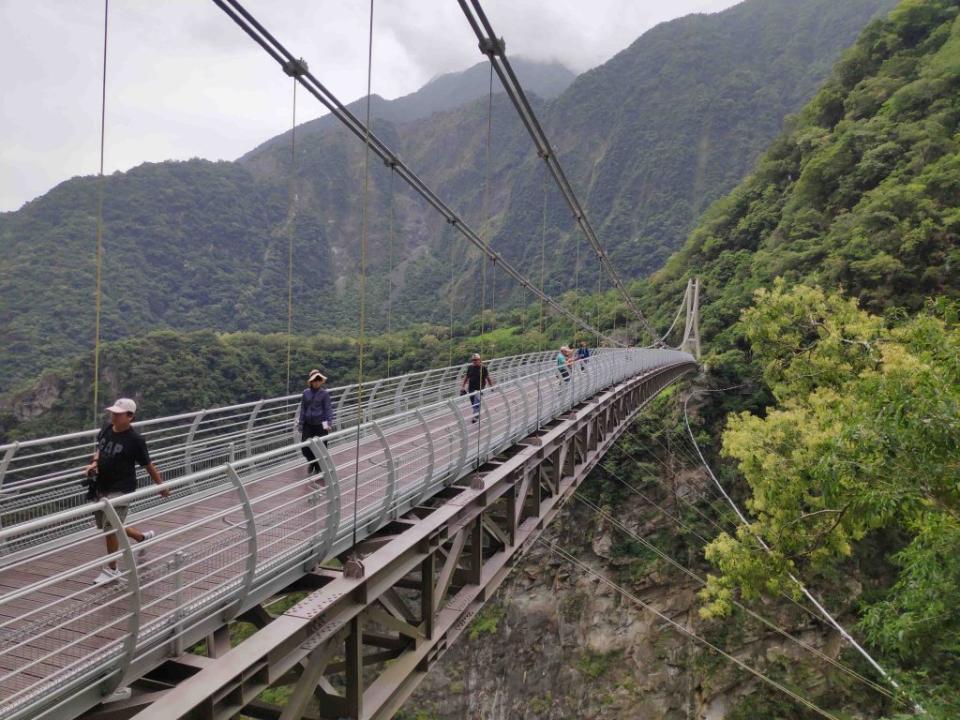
(410, 525)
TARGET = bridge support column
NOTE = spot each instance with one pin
(354, 665)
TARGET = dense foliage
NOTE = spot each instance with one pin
(171, 372)
(648, 139)
(859, 450)
(861, 192)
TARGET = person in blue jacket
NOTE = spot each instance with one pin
(314, 415)
(583, 355)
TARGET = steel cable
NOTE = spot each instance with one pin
(256, 31)
(495, 50)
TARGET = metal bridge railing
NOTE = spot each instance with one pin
(43, 475)
(245, 525)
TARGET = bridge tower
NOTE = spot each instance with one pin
(691, 329)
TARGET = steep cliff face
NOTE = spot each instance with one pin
(556, 642)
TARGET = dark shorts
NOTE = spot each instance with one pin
(100, 517)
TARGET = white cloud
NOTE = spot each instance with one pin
(184, 81)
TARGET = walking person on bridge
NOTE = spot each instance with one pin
(564, 360)
(583, 355)
(474, 380)
(120, 448)
(314, 415)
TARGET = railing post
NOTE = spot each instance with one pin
(248, 437)
(488, 424)
(342, 409)
(506, 404)
(391, 477)
(464, 438)
(178, 602)
(252, 543)
(136, 601)
(332, 481)
(188, 444)
(423, 387)
(373, 395)
(525, 403)
(428, 475)
(398, 394)
(5, 462)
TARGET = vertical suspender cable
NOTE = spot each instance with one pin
(98, 292)
(390, 239)
(291, 214)
(543, 250)
(484, 345)
(599, 276)
(486, 216)
(363, 277)
(453, 242)
(278, 52)
(576, 284)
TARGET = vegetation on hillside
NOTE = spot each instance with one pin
(860, 193)
(170, 372)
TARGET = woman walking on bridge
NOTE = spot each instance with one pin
(314, 415)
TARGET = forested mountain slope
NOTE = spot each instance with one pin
(861, 193)
(845, 242)
(648, 138)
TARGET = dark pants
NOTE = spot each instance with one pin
(308, 432)
(475, 401)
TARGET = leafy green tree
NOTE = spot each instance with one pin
(861, 446)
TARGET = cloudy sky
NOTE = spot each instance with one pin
(183, 81)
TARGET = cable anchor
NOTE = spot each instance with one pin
(296, 68)
(492, 46)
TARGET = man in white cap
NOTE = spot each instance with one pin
(120, 448)
(314, 415)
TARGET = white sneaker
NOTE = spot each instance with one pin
(108, 574)
(147, 534)
(123, 693)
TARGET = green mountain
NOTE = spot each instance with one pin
(648, 138)
(861, 193)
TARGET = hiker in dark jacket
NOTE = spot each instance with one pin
(314, 415)
(583, 355)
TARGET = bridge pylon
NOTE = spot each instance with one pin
(691, 328)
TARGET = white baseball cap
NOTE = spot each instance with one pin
(123, 405)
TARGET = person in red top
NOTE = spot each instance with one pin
(119, 449)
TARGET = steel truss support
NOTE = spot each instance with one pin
(360, 646)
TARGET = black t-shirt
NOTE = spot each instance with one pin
(117, 455)
(477, 377)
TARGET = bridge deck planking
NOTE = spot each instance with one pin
(168, 524)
